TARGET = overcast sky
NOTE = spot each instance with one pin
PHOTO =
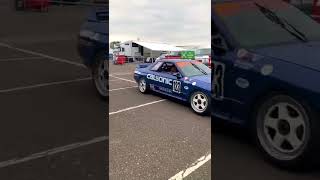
(178, 22)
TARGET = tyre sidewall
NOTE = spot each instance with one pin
(147, 86)
(208, 109)
(95, 70)
(311, 145)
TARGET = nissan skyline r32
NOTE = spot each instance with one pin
(266, 76)
(186, 80)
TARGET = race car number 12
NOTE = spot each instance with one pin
(176, 86)
(218, 80)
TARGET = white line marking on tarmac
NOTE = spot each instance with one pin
(117, 89)
(119, 74)
(42, 85)
(135, 107)
(20, 59)
(51, 152)
(42, 55)
(194, 166)
(122, 79)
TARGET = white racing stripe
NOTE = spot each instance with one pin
(43, 85)
(193, 167)
(122, 79)
(42, 55)
(117, 89)
(20, 59)
(51, 152)
(135, 107)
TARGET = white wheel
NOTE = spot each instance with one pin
(142, 85)
(284, 132)
(200, 102)
(100, 75)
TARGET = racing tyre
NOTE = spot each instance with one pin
(100, 75)
(143, 86)
(286, 131)
(200, 103)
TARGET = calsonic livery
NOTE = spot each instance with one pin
(185, 80)
(266, 76)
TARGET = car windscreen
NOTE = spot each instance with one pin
(266, 22)
(193, 68)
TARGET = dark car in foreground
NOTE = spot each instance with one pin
(93, 47)
(186, 80)
(266, 76)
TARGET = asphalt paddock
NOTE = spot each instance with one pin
(53, 123)
(152, 137)
(237, 157)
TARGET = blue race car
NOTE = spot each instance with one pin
(266, 63)
(185, 80)
(93, 46)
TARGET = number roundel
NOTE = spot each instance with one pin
(218, 80)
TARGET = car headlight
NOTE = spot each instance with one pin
(91, 35)
(87, 34)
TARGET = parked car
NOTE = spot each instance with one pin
(93, 47)
(186, 80)
(266, 72)
(204, 55)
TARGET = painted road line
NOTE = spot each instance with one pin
(122, 79)
(42, 55)
(20, 59)
(119, 74)
(135, 107)
(42, 85)
(52, 151)
(193, 167)
(130, 87)
(111, 80)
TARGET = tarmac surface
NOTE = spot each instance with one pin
(237, 158)
(53, 123)
(152, 137)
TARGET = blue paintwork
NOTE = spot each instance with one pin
(296, 69)
(202, 83)
(94, 35)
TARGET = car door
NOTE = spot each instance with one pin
(160, 80)
(223, 76)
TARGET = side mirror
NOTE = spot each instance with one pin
(178, 75)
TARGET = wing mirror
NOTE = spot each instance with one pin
(178, 75)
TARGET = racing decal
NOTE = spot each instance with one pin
(176, 86)
(160, 79)
(165, 90)
(243, 83)
(267, 69)
(218, 80)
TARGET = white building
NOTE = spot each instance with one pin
(139, 50)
